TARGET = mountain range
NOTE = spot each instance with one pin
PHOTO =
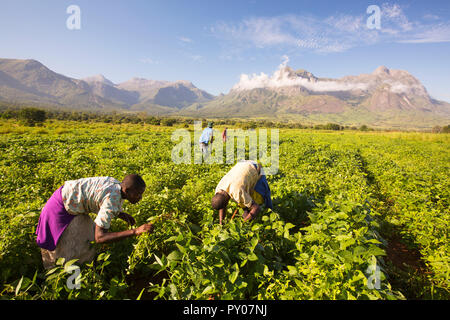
(383, 98)
(30, 82)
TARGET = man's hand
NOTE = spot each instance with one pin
(127, 218)
(103, 236)
(254, 210)
(245, 213)
(148, 227)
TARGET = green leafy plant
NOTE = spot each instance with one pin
(338, 199)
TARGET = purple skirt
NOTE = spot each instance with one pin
(53, 220)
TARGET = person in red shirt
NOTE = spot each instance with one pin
(224, 135)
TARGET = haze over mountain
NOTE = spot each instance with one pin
(385, 97)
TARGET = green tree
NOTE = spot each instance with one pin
(333, 126)
(364, 128)
(446, 129)
(32, 116)
(169, 122)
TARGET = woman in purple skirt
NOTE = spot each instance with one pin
(65, 229)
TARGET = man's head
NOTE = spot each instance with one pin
(220, 200)
(133, 186)
(210, 124)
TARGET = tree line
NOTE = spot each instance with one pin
(32, 116)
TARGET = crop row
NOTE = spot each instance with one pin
(414, 178)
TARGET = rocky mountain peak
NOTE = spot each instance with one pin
(302, 73)
(99, 78)
(185, 83)
(381, 70)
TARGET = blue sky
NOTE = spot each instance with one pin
(212, 43)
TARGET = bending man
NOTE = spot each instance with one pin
(65, 229)
(247, 185)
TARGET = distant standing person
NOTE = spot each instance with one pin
(65, 229)
(206, 138)
(224, 135)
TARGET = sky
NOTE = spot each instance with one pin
(212, 43)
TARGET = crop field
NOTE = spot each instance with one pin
(357, 215)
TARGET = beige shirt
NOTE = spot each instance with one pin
(239, 183)
(100, 195)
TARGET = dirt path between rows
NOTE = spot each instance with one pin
(403, 257)
(406, 269)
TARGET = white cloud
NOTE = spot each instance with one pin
(430, 16)
(334, 33)
(185, 39)
(260, 32)
(148, 61)
(435, 34)
(283, 78)
(393, 14)
(196, 57)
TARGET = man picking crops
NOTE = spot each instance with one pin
(246, 184)
(65, 229)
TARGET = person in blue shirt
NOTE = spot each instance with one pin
(206, 138)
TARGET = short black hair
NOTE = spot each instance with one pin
(134, 181)
(219, 201)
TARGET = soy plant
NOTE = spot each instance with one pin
(322, 240)
(67, 280)
(335, 250)
(414, 179)
(333, 258)
(218, 262)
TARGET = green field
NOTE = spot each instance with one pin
(347, 206)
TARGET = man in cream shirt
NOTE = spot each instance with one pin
(239, 184)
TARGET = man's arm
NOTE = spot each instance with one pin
(103, 236)
(222, 214)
